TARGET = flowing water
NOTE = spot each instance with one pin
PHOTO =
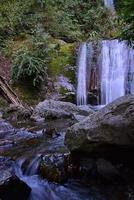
(82, 71)
(41, 189)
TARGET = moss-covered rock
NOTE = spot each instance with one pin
(54, 167)
(62, 58)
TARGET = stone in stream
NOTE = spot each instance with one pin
(50, 109)
(54, 167)
(112, 125)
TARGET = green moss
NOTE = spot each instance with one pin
(63, 91)
(61, 59)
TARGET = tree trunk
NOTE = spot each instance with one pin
(8, 93)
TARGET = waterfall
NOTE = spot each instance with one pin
(114, 62)
(105, 70)
(82, 70)
(109, 3)
(117, 68)
(130, 78)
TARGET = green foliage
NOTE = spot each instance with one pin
(27, 65)
(30, 62)
(60, 59)
(126, 12)
(25, 26)
(71, 20)
(79, 20)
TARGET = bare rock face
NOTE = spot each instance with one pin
(112, 125)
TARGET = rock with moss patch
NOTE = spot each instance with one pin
(54, 167)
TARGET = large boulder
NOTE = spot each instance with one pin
(112, 125)
(50, 109)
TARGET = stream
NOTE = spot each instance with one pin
(44, 190)
(28, 152)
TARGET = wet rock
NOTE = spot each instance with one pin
(10, 186)
(107, 170)
(50, 109)
(112, 125)
(5, 129)
(79, 118)
(10, 136)
(86, 110)
(54, 167)
(6, 163)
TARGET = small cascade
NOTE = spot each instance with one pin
(109, 4)
(82, 78)
(41, 189)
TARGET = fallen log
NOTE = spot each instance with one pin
(8, 93)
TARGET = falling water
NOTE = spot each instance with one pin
(130, 78)
(109, 3)
(117, 66)
(82, 70)
(115, 62)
